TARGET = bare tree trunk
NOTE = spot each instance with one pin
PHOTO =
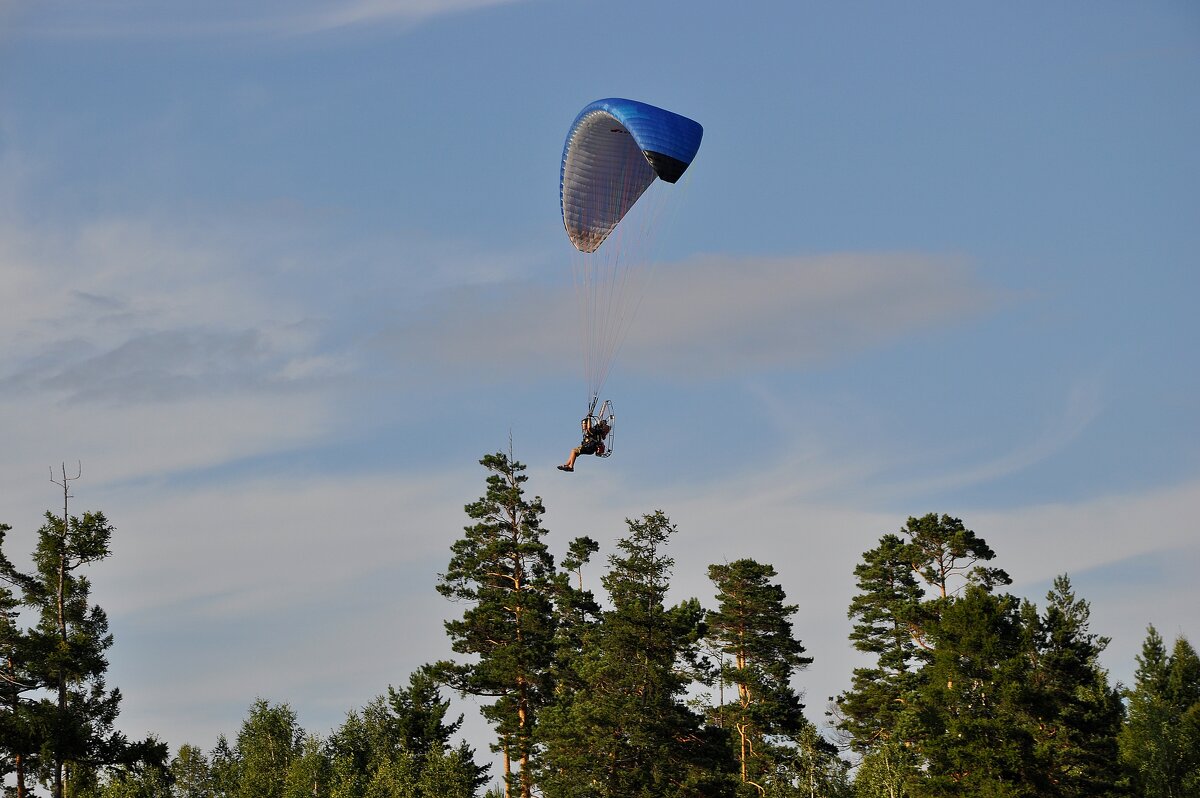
(522, 715)
(507, 773)
(62, 616)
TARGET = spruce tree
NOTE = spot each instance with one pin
(504, 574)
(576, 613)
(418, 716)
(1160, 742)
(1075, 716)
(628, 733)
(752, 626)
(971, 701)
(399, 744)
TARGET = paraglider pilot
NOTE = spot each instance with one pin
(595, 430)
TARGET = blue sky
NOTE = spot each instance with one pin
(279, 278)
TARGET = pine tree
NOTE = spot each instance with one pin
(752, 626)
(69, 643)
(504, 573)
(62, 661)
(944, 552)
(628, 732)
(972, 692)
(885, 613)
(1160, 742)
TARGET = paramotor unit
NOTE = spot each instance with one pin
(608, 418)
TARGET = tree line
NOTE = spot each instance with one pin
(966, 690)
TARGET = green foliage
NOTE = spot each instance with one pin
(189, 770)
(1075, 716)
(967, 712)
(417, 717)
(154, 782)
(400, 745)
(752, 628)
(803, 765)
(19, 718)
(58, 713)
(972, 692)
(885, 613)
(1160, 743)
(225, 769)
(628, 732)
(576, 614)
(269, 740)
(309, 772)
(943, 551)
(969, 692)
(885, 770)
(504, 574)
(895, 620)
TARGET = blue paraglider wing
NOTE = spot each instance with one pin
(615, 149)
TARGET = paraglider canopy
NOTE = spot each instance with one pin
(615, 149)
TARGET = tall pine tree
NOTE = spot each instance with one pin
(885, 612)
(504, 574)
(68, 716)
(752, 627)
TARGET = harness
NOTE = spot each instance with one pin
(604, 443)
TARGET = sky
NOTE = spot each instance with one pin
(276, 279)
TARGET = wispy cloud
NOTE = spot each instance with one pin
(144, 18)
(365, 12)
(1067, 418)
(123, 312)
(144, 349)
(713, 316)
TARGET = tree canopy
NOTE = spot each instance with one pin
(964, 689)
